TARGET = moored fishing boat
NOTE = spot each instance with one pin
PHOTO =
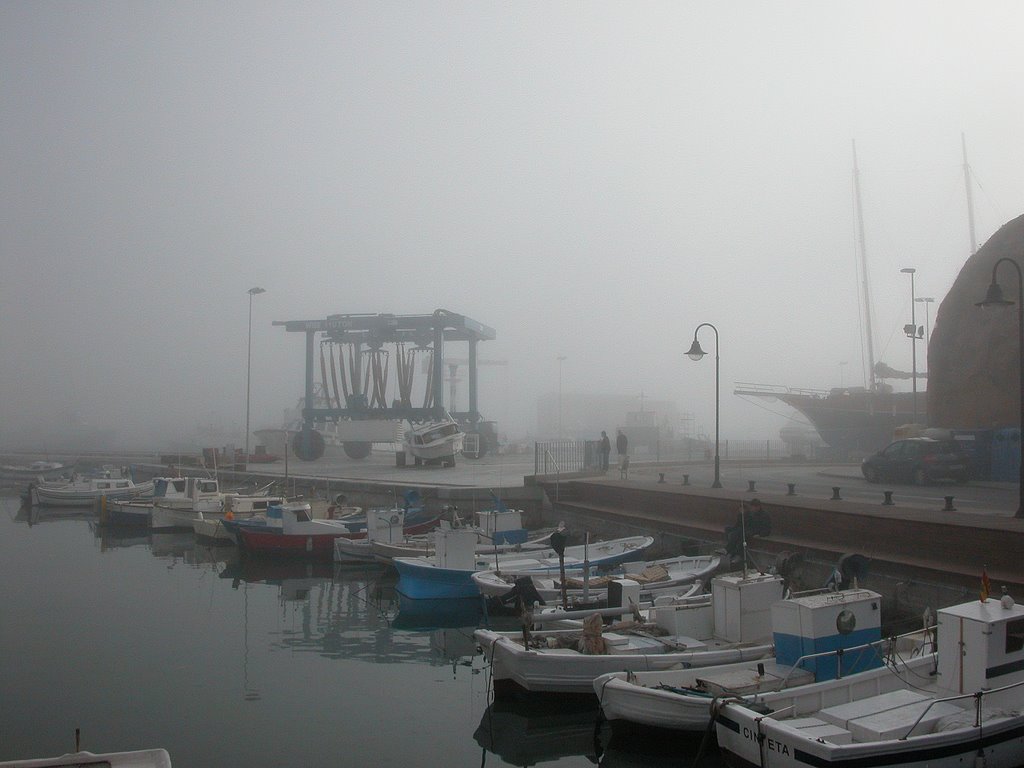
(35, 470)
(968, 711)
(846, 623)
(85, 493)
(733, 625)
(449, 571)
(589, 587)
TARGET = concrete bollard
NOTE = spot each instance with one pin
(792, 489)
(750, 485)
(835, 494)
(661, 477)
(686, 479)
(949, 504)
(888, 499)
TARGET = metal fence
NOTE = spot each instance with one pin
(561, 456)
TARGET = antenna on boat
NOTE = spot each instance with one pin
(864, 270)
(970, 198)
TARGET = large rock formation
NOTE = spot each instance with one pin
(974, 352)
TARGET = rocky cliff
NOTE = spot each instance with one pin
(974, 352)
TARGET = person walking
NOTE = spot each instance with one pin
(606, 449)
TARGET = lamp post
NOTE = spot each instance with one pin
(561, 359)
(926, 300)
(696, 353)
(994, 298)
(248, 372)
(911, 331)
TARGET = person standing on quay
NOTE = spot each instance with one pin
(621, 445)
(606, 449)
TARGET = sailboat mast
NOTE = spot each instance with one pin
(970, 198)
(864, 270)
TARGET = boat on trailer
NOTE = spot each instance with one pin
(433, 442)
(968, 712)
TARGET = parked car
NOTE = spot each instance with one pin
(918, 460)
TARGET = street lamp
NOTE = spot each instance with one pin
(926, 300)
(561, 359)
(696, 353)
(248, 372)
(994, 298)
(911, 331)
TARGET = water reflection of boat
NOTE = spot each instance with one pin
(434, 614)
(527, 733)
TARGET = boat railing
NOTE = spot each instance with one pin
(770, 390)
(978, 696)
(927, 635)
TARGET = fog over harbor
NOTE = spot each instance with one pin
(590, 180)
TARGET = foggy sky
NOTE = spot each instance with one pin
(590, 179)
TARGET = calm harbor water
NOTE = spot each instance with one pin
(156, 641)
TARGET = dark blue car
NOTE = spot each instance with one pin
(918, 460)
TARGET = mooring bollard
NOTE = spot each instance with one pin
(835, 494)
(750, 485)
(949, 504)
(792, 489)
(686, 479)
(661, 477)
(888, 499)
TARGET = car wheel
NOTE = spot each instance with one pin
(871, 474)
(920, 478)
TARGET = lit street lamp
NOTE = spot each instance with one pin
(912, 333)
(994, 298)
(696, 353)
(248, 372)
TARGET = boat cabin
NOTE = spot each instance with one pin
(981, 645)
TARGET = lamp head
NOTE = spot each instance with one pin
(908, 270)
(994, 297)
(695, 352)
(925, 300)
(256, 291)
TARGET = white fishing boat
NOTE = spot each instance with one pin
(143, 758)
(236, 507)
(733, 626)
(383, 525)
(968, 712)
(679, 700)
(86, 492)
(586, 586)
(448, 573)
(435, 441)
(36, 470)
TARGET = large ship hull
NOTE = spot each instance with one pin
(852, 422)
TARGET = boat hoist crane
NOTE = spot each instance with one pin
(368, 377)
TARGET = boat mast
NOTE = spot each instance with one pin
(864, 270)
(970, 199)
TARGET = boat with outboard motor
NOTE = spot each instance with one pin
(732, 625)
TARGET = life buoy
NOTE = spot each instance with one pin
(394, 519)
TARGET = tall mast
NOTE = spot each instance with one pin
(970, 199)
(864, 270)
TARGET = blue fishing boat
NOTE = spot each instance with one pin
(448, 573)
